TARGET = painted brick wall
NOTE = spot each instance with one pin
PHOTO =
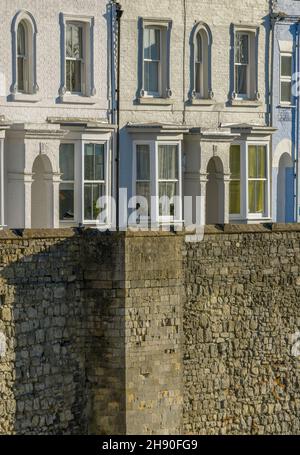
(46, 15)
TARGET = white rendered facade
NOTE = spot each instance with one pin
(54, 90)
(196, 74)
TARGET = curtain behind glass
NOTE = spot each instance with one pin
(168, 162)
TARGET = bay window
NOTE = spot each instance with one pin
(286, 70)
(94, 186)
(66, 189)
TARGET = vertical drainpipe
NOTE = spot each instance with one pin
(271, 99)
(297, 142)
(1, 183)
(118, 15)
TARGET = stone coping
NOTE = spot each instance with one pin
(18, 234)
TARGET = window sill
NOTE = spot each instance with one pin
(245, 103)
(202, 102)
(286, 106)
(156, 101)
(25, 98)
(78, 99)
(250, 219)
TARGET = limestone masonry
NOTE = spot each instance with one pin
(143, 333)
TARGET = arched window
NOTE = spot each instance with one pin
(24, 33)
(201, 77)
(22, 58)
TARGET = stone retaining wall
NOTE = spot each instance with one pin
(143, 333)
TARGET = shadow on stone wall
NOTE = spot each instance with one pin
(63, 368)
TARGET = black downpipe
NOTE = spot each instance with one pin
(119, 13)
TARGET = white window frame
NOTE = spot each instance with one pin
(25, 59)
(154, 209)
(159, 75)
(165, 26)
(243, 96)
(151, 145)
(285, 78)
(106, 181)
(71, 222)
(30, 92)
(245, 214)
(82, 59)
(266, 214)
(237, 216)
(178, 210)
(88, 90)
(199, 92)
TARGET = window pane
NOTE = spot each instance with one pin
(21, 84)
(73, 76)
(92, 193)
(241, 79)
(252, 162)
(199, 48)
(21, 39)
(261, 162)
(66, 201)
(286, 66)
(99, 162)
(257, 196)
(257, 161)
(143, 162)
(286, 92)
(168, 162)
(152, 44)
(74, 41)
(242, 48)
(89, 162)
(151, 78)
(66, 161)
(69, 52)
(167, 191)
(198, 67)
(94, 168)
(235, 161)
(143, 190)
(235, 198)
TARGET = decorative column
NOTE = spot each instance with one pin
(55, 180)
(203, 185)
(28, 179)
(226, 197)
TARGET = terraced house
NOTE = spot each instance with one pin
(286, 110)
(188, 83)
(56, 131)
(194, 109)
